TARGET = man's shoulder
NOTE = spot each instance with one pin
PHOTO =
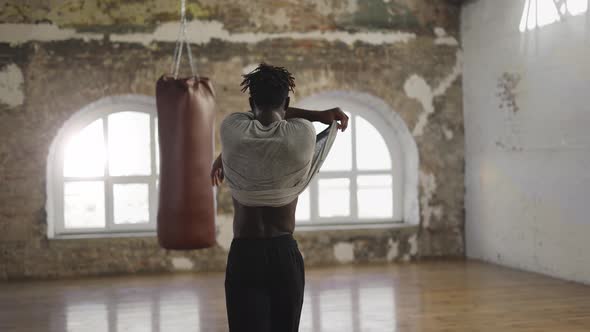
(235, 117)
(240, 116)
(303, 123)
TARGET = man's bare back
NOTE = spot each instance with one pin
(263, 221)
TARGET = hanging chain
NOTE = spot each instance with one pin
(181, 39)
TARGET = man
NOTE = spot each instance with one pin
(268, 157)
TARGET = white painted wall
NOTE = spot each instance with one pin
(527, 172)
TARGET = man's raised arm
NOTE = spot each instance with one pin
(325, 117)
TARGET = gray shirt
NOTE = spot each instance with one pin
(271, 165)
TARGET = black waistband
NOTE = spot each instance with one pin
(285, 240)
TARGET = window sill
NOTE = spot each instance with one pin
(340, 227)
(105, 235)
(298, 228)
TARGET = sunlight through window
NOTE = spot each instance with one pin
(538, 13)
(374, 192)
(334, 197)
(85, 153)
(127, 154)
(84, 204)
(360, 181)
(303, 210)
(575, 7)
(129, 143)
(131, 203)
(340, 157)
(106, 168)
(375, 199)
(376, 157)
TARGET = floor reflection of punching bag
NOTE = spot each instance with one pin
(186, 210)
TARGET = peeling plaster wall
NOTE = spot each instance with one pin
(58, 56)
(260, 15)
(11, 86)
(527, 142)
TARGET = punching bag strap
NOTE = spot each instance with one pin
(180, 41)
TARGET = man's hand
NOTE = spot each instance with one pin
(217, 172)
(328, 116)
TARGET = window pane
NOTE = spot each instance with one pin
(538, 13)
(334, 200)
(84, 204)
(131, 204)
(129, 143)
(302, 211)
(375, 196)
(157, 143)
(371, 150)
(85, 153)
(576, 7)
(340, 156)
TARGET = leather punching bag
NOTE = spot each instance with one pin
(186, 210)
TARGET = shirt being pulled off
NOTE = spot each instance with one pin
(271, 165)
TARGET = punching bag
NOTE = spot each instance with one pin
(185, 106)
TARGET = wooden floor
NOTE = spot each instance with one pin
(441, 296)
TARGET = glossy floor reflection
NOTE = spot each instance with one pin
(441, 296)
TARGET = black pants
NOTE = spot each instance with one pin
(264, 282)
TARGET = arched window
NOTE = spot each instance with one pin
(539, 13)
(371, 173)
(102, 172)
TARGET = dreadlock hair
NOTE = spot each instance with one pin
(268, 85)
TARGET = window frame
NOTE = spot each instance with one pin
(402, 150)
(557, 16)
(387, 122)
(56, 180)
